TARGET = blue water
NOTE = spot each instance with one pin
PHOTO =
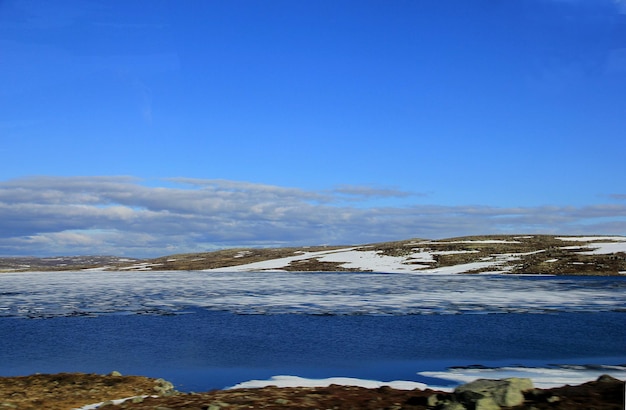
(207, 330)
(206, 350)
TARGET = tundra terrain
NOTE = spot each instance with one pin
(514, 254)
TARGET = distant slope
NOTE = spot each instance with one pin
(517, 254)
(60, 263)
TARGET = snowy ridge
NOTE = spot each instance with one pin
(536, 254)
(456, 256)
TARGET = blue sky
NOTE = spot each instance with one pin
(155, 127)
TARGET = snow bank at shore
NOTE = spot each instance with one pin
(295, 381)
(542, 378)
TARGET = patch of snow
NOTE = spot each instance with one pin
(350, 258)
(141, 266)
(117, 401)
(490, 261)
(617, 244)
(573, 247)
(97, 269)
(605, 248)
(531, 253)
(274, 265)
(598, 248)
(551, 260)
(415, 243)
(494, 272)
(295, 381)
(451, 252)
(241, 254)
(543, 378)
(462, 268)
(592, 238)
(376, 262)
(480, 241)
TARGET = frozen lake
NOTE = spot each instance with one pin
(95, 293)
(206, 330)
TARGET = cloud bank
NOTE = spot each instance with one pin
(126, 216)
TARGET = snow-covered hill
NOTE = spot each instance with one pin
(528, 254)
(518, 254)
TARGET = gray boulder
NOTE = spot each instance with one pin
(452, 405)
(486, 403)
(492, 394)
(164, 388)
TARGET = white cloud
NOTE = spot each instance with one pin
(122, 216)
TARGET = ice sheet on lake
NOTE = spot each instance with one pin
(95, 293)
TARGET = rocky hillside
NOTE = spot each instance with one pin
(517, 254)
(57, 263)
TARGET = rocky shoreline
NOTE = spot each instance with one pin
(67, 391)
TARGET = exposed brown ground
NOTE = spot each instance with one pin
(537, 254)
(64, 391)
(70, 390)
